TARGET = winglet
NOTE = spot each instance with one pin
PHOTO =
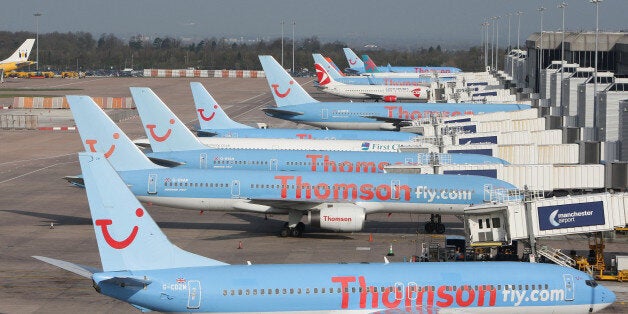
(164, 130)
(128, 238)
(210, 114)
(284, 88)
(100, 134)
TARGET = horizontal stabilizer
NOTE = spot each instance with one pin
(135, 281)
(205, 133)
(80, 270)
(275, 111)
(75, 180)
(166, 162)
(396, 121)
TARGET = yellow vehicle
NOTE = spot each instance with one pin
(69, 74)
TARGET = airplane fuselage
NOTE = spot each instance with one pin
(336, 115)
(478, 287)
(315, 134)
(377, 91)
(278, 192)
(314, 161)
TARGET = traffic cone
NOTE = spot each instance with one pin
(390, 251)
(240, 245)
(371, 237)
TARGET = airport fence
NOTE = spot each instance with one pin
(203, 73)
(62, 103)
(12, 122)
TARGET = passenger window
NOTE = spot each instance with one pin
(239, 291)
(284, 290)
(291, 290)
(248, 292)
(527, 287)
(298, 290)
(307, 290)
(224, 292)
(496, 223)
(232, 292)
(254, 291)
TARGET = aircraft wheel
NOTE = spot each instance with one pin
(440, 228)
(296, 232)
(301, 226)
(429, 227)
(285, 231)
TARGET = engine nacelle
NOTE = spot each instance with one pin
(338, 218)
(390, 98)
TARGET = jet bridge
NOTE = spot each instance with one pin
(501, 222)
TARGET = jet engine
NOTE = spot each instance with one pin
(390, 98)
(342, 218)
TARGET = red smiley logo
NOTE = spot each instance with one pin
(104, 223)
(92, 145)
(279, 94)
(200, 113)
(352, 61)
(151, 128)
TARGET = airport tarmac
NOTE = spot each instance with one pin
(42, 214)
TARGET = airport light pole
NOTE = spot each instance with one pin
(509, 14)
(597, 30)
(518, 26)
(563, 6)
(541, 9)
(486, 24)
(293, 25)
(497, 43)
(37, 15)
(282, 22)
(492, 43)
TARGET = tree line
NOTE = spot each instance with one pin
(80, 50)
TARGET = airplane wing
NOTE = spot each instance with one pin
(282, 112)
(374, 96)
(284, 204)
(398, 122)
(80, 270)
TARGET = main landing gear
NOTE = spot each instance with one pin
(296, 231)
(294, 227)
(435, 225)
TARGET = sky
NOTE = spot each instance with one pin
(411, 23)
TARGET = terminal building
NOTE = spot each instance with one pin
(565, 91)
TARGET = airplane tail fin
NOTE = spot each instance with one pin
(22, 52)
(128, 238)
(325, 72)
(331, 62)
(165, 132)
(284, 88)
(354, 61)
(100, 134)
(210, 114)
(369, 65)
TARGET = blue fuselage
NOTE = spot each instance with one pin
(496, 287)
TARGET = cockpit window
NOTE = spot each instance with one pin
(591, 283)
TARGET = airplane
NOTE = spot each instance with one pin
(183, 149)
(328, 83)
(378, 78)
(296, 105)
(330, 200)
(214, 121)
(159, 120)
(142, 267)
(366, 65)
(18, 59)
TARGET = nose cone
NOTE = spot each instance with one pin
(604, 297)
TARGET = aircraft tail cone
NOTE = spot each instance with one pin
(390, 251)
(240, 245)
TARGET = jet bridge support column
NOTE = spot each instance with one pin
(527, 205)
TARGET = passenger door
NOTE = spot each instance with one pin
(569, 290)
(194, 294)
(152, 183)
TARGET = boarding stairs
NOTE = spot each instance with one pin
(556, 256)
